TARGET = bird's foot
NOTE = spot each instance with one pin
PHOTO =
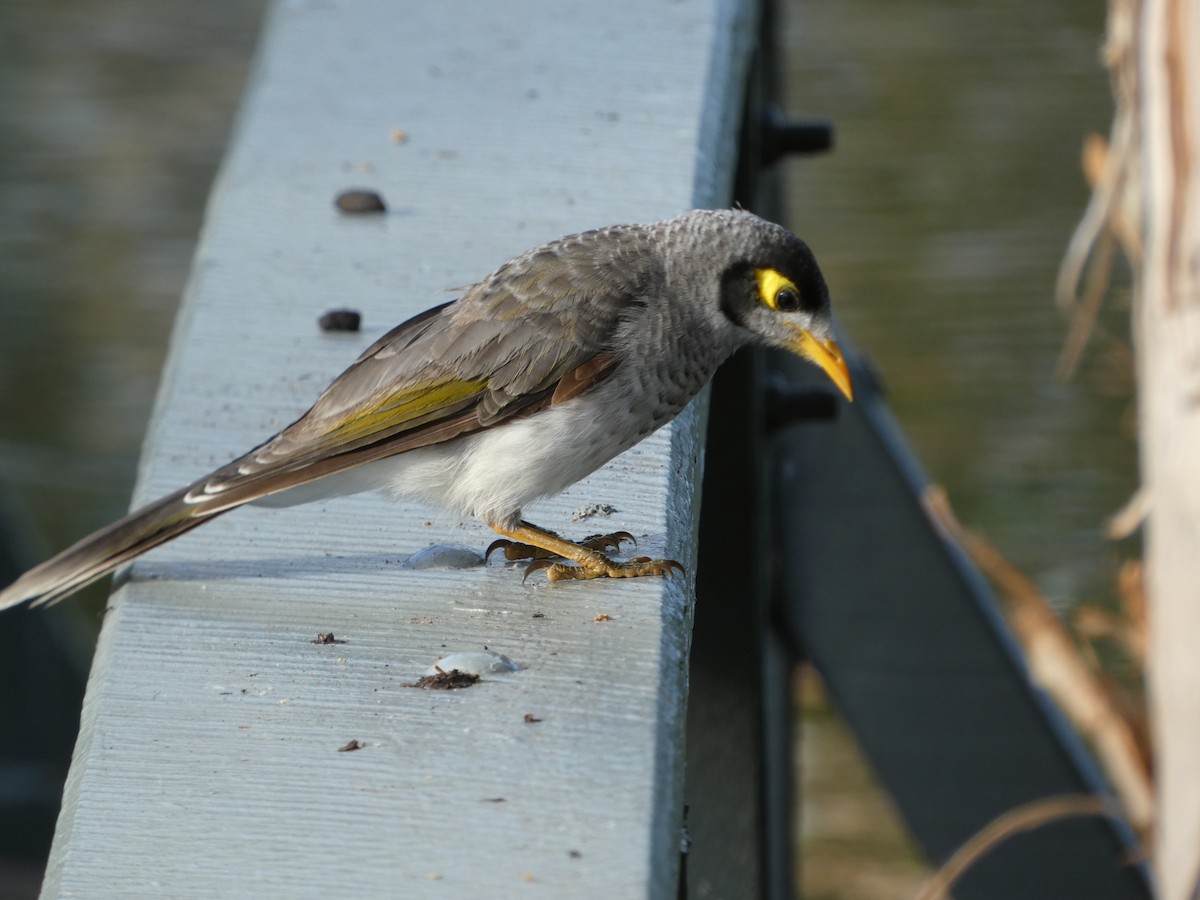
(604, 543)
(526, 541)
(603, 567)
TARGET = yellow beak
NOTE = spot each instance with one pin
(826, 355)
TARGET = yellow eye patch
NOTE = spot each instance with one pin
(777, 291)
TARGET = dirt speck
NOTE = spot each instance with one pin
(445, 681)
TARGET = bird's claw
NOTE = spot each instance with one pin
(608, 543)
(537, 565)
(514, 550)
(606, 568)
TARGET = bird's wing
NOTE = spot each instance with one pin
(536, 332)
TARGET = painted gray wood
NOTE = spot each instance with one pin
(208, 762)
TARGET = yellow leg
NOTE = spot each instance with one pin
(602, 542)
(589, 562)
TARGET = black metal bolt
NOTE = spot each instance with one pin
(782, 136)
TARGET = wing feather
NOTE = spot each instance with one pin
(539, 330)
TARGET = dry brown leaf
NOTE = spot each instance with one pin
(1056, 663)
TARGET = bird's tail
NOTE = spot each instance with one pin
(101, 552)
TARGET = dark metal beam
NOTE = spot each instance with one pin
(909, 641)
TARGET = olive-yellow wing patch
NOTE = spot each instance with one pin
(408, 408)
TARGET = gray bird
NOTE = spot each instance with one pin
(535, 377)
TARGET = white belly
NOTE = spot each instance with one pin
(493, 474)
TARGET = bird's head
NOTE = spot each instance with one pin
(771, 289)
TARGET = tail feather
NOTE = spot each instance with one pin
(218, 492)
(103, 551)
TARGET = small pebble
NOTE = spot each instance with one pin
(340, 320)
(444, 556)
(475, 662)
(359, 201)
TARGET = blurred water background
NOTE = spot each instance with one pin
(113, 118)
(939, 219)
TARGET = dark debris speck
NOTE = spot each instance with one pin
(446, 681)
(340, 320)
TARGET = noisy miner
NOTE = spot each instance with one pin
(535, 377)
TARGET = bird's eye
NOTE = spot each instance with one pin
(787, 300)
(776, 291)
